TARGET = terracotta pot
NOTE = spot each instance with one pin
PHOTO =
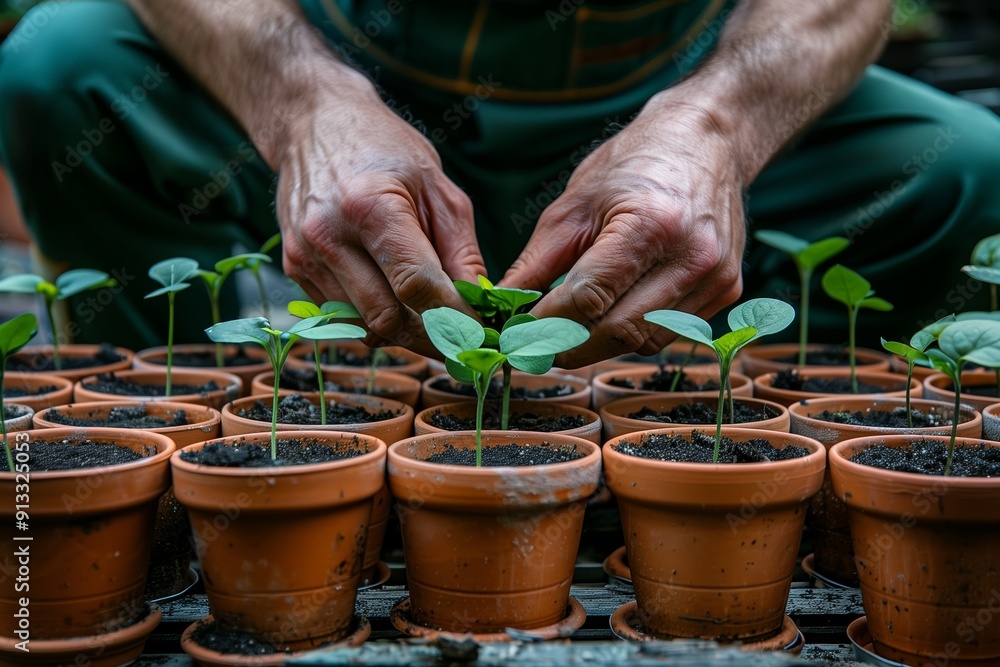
(897, 364)
(25, 360)
(761, 359)
(155, 359)
(415, 366)
(431, 397)
(591, 430)
(204, 423)
(616, 422)
(281, 548)
(894, 386)
(712, 547)
(991, 423)
(490, 548)
(629, 361)
(393, 386)
(230, 387)
(937, 387)
(61, 391)
(22, 419)
(927, 554)
(91, 533)
(827, 516)
(604, 392)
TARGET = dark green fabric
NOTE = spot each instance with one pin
(119, 160)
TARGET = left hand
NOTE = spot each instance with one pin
(652, 219)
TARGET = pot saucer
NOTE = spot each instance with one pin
(861, 642)
(573, 621)
(379, 577)
(626, 624)
(822, 580)
(207, 658)
(616, 566)
(116, 648)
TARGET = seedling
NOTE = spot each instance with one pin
(807, 256)
(214, 280)
(914, 353)
(748, 322)
(171, 273)
(328, 311)
(14, 334)
(850, 289)
(66, 285)
(975, 341)
(254, 266)
(379, 358)
(495, 304)
(475, 353)
(985, 268)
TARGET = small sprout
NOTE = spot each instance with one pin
(277, 345)
(66, 285)
(14, 334)
(807, 256)
(748, 322)
(254, 266)
(172, 274)
(214, 280)
(912, 355)
(850, 289)
(490, 301)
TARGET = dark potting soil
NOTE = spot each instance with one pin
(33, 363)
(661, 381)
(11, 411)
(296, 409)
(291, 452)
(346, 358)
(699, 449)
(831, 357)
(302, 379)
(207, 359)
(928, 457)
(895, 418)
(109, 383)
(790, 380)
(216, 637)
(508, 455)
(74, 455)
(444, 383)
(18, 392)
(519, 421)
(702, 413)
(669, 359)
(122, 416)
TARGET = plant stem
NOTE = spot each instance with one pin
(954, 420)
(377, 356)
(3, 422)
(56, 361)
(480, 402)
(680, 369)
(320, 383)
(805, 278)
(264, 305)
(852, 316)
(170, 340)
(724, 382)
(993, 297)
(909, 381)
(274, 412)
(505, 412)
(216, 318)
(732, 402)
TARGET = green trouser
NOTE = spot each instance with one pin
(119, 159)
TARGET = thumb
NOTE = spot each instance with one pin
(555, 245)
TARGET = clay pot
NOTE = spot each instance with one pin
(204, 423)
(604, 392)
(393, 386)
(761, 359)
(22, 419)
(229, 387)
(894, 386)
(616, 422)
(431, 397)
(591, 430)
(991, 423)
(927, 557)
(60, 394)
(415, 366)
(24, 361)
(827, 516)
(936, 387)
(155, 359)
(490, 548)
(629, 361)
(91, 531)
(712, 547)
(897, 364)
(281, 548)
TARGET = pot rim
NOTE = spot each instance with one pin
(605, 410)
(797, 411)
(177, 376)
(648, 369)
(41, 377)
(589, 415)
(403, 411)
(400, 381)
(213, 415)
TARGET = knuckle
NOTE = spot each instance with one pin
(388, 322)
(629, 335)
(591, 299)
(410, 283)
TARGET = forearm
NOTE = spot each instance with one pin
(778, 66)
(260, 58)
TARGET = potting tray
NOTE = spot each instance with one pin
(822, 615)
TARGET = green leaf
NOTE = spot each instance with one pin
(452, 332)
(176, 287)
(943, 363)
(977, 341)
(986, 274)
(902, 349)
(341, 310)
(459, 372)
(304, 309)
(931, 332)
(482, 361)
(308, 323)
(547, 336)
(822, 250)
(509, 299)
(536, 365)
(787, 243)
(492, 339)
(485, 283)
(845, 286)
(690, 326)
(15, 334)
(476, 297)
(246, 330)
(211, 278)
(75, 281)
(875, 303)
(727, 345)
(173, 271)
(23, 283)
(766, 316)
(520, 318)
(977, 315)
(331, 331)
(987, 252)
(242, 261)
(271, 243)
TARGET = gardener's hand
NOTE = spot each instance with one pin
(652, 219)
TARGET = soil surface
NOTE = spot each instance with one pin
(670, 359)
(11, 411)
(18, 392)
(29, 363)
(928, 457)
(346, 358)
(109, 383)
(296, 409)
(661, 381)
(702, 413)
(831, 357)
(895, 418)
(67, 455)
(291, 452)
(445, 383)
(790, 380)
(519, 421)
(207, 359)
(301, 379)
(698, 449)
(123, 416)
(508, 455)
(215, 637)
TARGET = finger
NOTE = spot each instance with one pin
(451, 230)
(560, 238)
